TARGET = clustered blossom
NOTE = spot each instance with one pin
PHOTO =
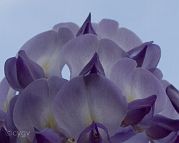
(115, 94)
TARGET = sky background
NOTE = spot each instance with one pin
(151, 20)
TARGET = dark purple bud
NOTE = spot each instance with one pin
(92, 135)
(95, 136)
(86, 27)
(173, 95)
(4, 137)
(137, 110)
(177, 139)
(21, 71)
(161, 127)
(47, 136)
(94, 66)
(146, 55)
(41, 139)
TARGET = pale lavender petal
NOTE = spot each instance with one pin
(146, 84)
(137, 83)
(9, 122)
(87, 99)
(109, 53)
(152, 57)
(6, 93)
(121, 74)
(138, 138)
(78, 52)
(123, 37)
(169, 110)
(45, 49)
(9, 118)
(69, 25)
(123, 135)
(33, 107)
(107, 28)
(157, 72)
(55, 84)
(127, 39)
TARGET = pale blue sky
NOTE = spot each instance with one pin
(152, 20)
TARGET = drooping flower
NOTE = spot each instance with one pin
(115, 94)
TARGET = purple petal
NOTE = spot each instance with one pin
(157, 132)
(149, 101)
(45, 49)
(137, 83)
(138, 53)
(2, 118)
(173, 95)
(177, 140)
(10, 70)
(22, 71)
(87, 27)
(94, 66)
(171, 138)
(27, 70)
(87, 99)
(4, 138)
(138, 109)
(47, 136)
(161, 127)
(146, 55)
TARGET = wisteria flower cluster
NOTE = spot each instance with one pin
(115, 94)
